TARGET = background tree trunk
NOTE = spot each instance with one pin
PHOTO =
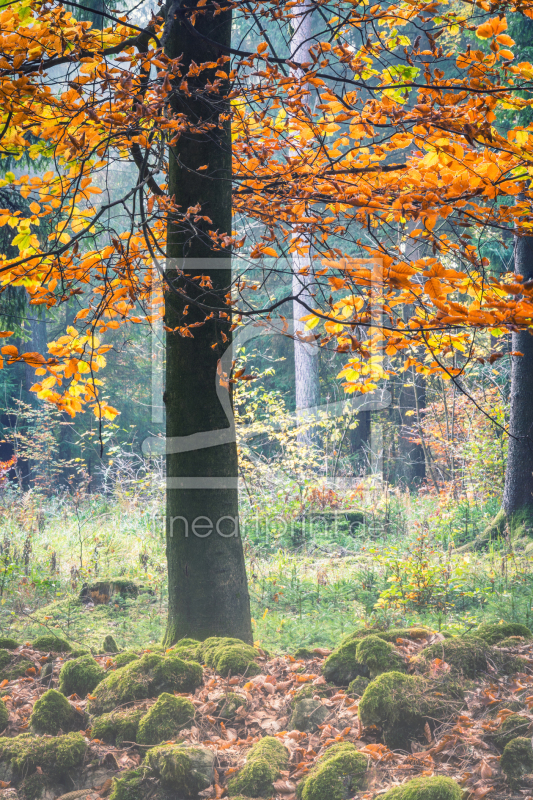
(208, 593)
(306, 361)
(518, 491)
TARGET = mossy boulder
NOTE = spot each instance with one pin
(341, 667)
(4, 715)
(308, 715)
(6, 643)
(109, 644)
(53, 713)
(338, 774)
(264, 763)
(50, 643)
(189, 650)
(184, 770)
(166, 718)
(118, 726)
(229, 704)
(303, 652)
(435, 788)
(55, 755)
(378, 656)
(230, 656)
(497, 632)
(401, 705)
(150, 676)
(13, 666)
(34, 787)
(131, 785)
(512, 726)
(125, 658)
(392, 635)
(517, 759)
(357, 686)
(469, 656)
(310, 690)
(80, 676)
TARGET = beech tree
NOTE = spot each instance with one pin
(401, 152)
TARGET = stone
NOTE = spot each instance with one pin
(308, 715)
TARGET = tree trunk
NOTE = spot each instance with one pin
(411, 400)
(306, 364)
(518, 491)
(208, 592)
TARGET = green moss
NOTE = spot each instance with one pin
(264, 763)
(78, 652)
(401, 705)
(341, 667)
(497, 632)
(49, 642)
(13, 666)
(33, 787)
(308, 715)
(415, 633)
(167, 717)
(514, 725)
(125, 658)
(517, 759)
(511, 641)
(468, 656)
(309, 690)
(378, 656)
(229, 704)
(118, 726)
(436, 788)
(52, 712)
(150, 676)
(109, 644)
(189, 652)
(303, 652)
(4, 715)
(338, 774)
(55, 755)
(357, 686)
(8, 644)
(214, 643)
(237, 660)
(185, 770)
(80, 676)
(131, 785)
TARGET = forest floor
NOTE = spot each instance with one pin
(462, 747)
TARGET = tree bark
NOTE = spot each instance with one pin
(208, 592)
(306, 363)
(411, 400)
(518, 490)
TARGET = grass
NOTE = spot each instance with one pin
(401, 568)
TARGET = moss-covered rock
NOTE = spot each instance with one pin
(237, 660)
(512, 726)
(131, 785)
(166, 718)
(357, 686)
(4, 715)
(34, 787)
(80, 676)
(308, 715)
(118, 726)
(436, 788)
(392, 635)
(189, 650)
(229, 704)
(401, 705)
(511, 641)
(150, 676)
(378, 656)
(214, 643)
(497, 632)
(185, 770)
(109, 644)
(303, 652)
(341, 667)
(6, 643)
(125, 658)
(469, 656)
(517, 759)
(50, 643)
(230, 656)
(53, 713)
(338, 774)
(13, 666)
(310, 690)
(264, 763)
(78, 652)
(55, 755)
